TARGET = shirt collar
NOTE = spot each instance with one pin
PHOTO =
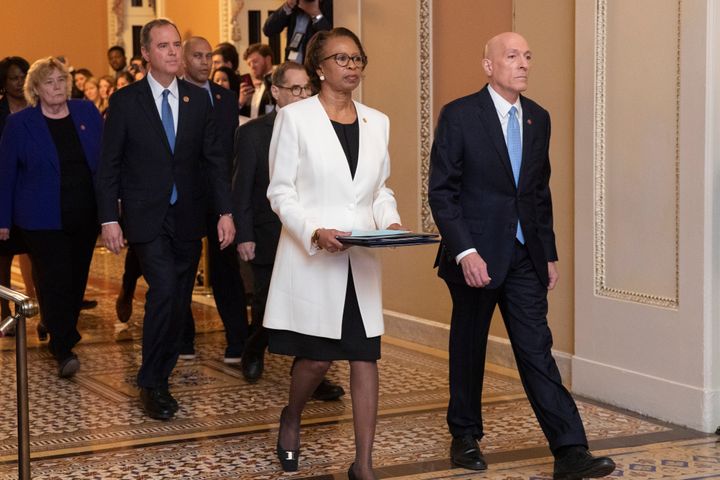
(503, 106)
(157, 89)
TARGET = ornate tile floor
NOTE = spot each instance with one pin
(92, 426)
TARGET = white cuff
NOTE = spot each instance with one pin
(464, 254)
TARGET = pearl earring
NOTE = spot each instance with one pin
(322, 77)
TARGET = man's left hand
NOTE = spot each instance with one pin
(553, 275)
(225, 230)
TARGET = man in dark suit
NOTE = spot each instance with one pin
(227, 284)
(490, 197)
(258, 226)
(302, 19)
(159, 146)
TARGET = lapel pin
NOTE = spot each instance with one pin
(217, 95)
(82, 126)
(364, 120)
(186, 99)
(529, 121)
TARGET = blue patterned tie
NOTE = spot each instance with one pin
(169, 126)
(515, 151)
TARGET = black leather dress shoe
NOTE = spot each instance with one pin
(168, 399)
(87, 304)
(328, 391)
(465, 453)
(252, 366)
(68, 367)
(124, 306)
(577, 463)
(153, 404)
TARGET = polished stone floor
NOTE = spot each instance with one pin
(92, 427)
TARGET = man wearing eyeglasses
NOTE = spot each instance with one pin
(258, 226)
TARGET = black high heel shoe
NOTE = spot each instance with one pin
(351, 473)
(288, 458)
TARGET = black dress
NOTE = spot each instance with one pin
(354, 343)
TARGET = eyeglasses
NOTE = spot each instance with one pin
(297, 90)
(343, 59)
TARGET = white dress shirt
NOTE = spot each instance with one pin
(173, 98)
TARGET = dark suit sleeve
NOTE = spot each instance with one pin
(107, 180)
(325, 23)
(216, 164)
(276, 22)
(544, 203)
(245, 168)
(446, 171)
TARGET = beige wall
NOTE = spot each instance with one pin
(74, 28)
(647, 339)
(460, 30)
(391, 85)
(195, 18)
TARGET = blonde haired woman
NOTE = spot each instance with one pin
(48, 157)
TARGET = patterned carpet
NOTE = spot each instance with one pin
(92, 426)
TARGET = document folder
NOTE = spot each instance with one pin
(389, 238)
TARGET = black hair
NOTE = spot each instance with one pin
(5, 65)
(233, 78)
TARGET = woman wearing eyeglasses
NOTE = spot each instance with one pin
(328, 167)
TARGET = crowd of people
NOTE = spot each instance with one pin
(273, 167)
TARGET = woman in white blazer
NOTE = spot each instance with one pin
(328, 166)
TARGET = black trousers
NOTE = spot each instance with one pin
(61, 263)
(131, 273)
(168, 265)
(228, 291)
(522, 299)
(258, 341)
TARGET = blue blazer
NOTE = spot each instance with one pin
(30, 167)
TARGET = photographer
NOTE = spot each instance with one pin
(302, 18)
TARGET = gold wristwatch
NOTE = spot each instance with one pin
(315, 238)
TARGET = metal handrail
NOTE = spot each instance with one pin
(24, 307)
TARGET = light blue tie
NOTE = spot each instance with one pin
(515, 151)
(169, 126)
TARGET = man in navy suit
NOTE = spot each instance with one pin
(159, 147)
(227, 284)
(490, 197)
